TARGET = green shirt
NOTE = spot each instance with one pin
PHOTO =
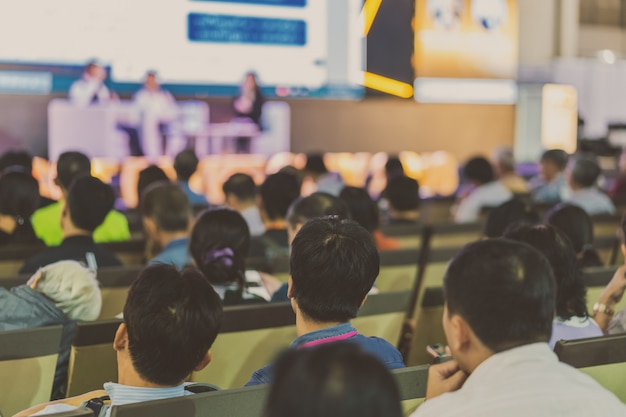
(47, 225)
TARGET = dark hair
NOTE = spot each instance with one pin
(19, 198)
(556, 247)
(219, 245)
(241, 186)
(147, 176)
(557, 156)
(577, 225)
(316, 205)
(585, 172)
(393, 167)
(167, 204)
(89, 200)
(362, 208)
(185, 164)
(513, 211)
(315, 164)
(172, 319)
(479, 169)
(17, 160)
(402, 193)
(278, 191)
(70, 166)
(332, 380)
(505, 291)
(333, 265)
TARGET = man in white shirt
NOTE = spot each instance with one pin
(240, 194)
(582, 177)
(499, 306)
(90, 89)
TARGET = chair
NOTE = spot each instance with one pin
(447, 235)
(130, 252)
(428, 327)
(114, 285)
(92, 358)
(603, 358)
(28, 360)
(398, 269)
(13, 256)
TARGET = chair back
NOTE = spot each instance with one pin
(114, 285)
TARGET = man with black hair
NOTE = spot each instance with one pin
(402, 195)
(240, 194)
(499, 307)
(333, 265)
(325, 181)
(550, 185)
(582, 176)
(171, 319)
(166, 219)
(185, 165)
(88, 202)
(72, 165)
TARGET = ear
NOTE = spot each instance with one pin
(459, 336)
(364, 300)
(121, 338)
(290, 287)
(204, 362)
(623, 248)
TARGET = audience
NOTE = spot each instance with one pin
(402, 200)
(617, 192)
(551, 184)
(335, 380)
(166, 219)
(572, 320)
(19, 198)
(333, 265)
(583, 174)
(60, 293)
(504, 164)
(171, 319)
(240, 194)
(185, 165)
(485, 192)
(148, 176)
(72, 165)
(88, 202)
(514, 211)
(325, 181)
(498, 314)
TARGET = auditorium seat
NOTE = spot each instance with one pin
(398, 270)
(114, 285)
(13, 256)
(428, 328)
(28, 360)
(131, 252)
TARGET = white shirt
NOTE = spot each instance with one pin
(252, 216)
(491, 194)
(523, 382)
(160, 104)
(592, 201)
(83, 91)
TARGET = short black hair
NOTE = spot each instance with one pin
(19, 198)
(241, 186)
(479, 169)
(147, 176)
(556, 247)
(172, 319)
(505, 290)
(70, 166)
(393, 167)
(316, 205)
(167, 204)
(402, 193)
(557, 156)
(574, 222)
(89, 200)
(332, 380)
(278, 191)
(17, 160)
(514, 211)
(315, 164)
(185, 164)
(333, 265)
(362, 208)
(585, 171)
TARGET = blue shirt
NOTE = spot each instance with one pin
(194, 199)
(380, 348)
(175, 253)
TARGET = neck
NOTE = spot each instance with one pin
(243, 205)
(166, 237)
(7, 224)
(71, 230)
(127, 375)
(304, 325)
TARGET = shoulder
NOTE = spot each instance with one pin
(382, 349)
(261, 376)
(66, 404)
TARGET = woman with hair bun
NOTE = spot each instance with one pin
(19, 198)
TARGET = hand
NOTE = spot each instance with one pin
(614, 291)
(444, 377)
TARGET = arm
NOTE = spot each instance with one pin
(610, 296)
(444, 377)
(72, 402)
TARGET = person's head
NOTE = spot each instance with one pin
(333, 265)
(332, 380)
(239, 190)
(19, 198)
(402, 193)
(95, 71)
(499, 294)
(16, 160)
(171, 319)
(147, 176)
(277, 192)
(165, 209)
(363, 209)
(72, 287)
(583, 173)
(70, 166)
(504, 161)
(185, 164)
(513, 211)
(250, 82)
(556, 247)
(88, 202)
(151, 82)
(219, 245)
(315, 164)
(393, 167)
(315, 205)
(575, 223)
(552, 163)
(479, 171)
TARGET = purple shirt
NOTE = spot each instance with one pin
(573, 328)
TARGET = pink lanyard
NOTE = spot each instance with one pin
(329, 339)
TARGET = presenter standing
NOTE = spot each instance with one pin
(248, 105)
(90, 88)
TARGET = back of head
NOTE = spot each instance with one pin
(19, 196)
(70, 166)
(72, 287)
(278, 191)
(219, 245)
(512, 212)
(167, 204)
(556, 247)
(16, 160)
(316, 205)
(505, 291)
(172, 320)
(557, 157)
(333, 265)
(402, 193)
(585, 172)
(315, 164)
(362, 208)
(332, 380)
(504, 160)
(185, 164)
(575, 223)
(241, 186)
(479, 170)
(393, 167)
(148, 176)
(89, 200)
